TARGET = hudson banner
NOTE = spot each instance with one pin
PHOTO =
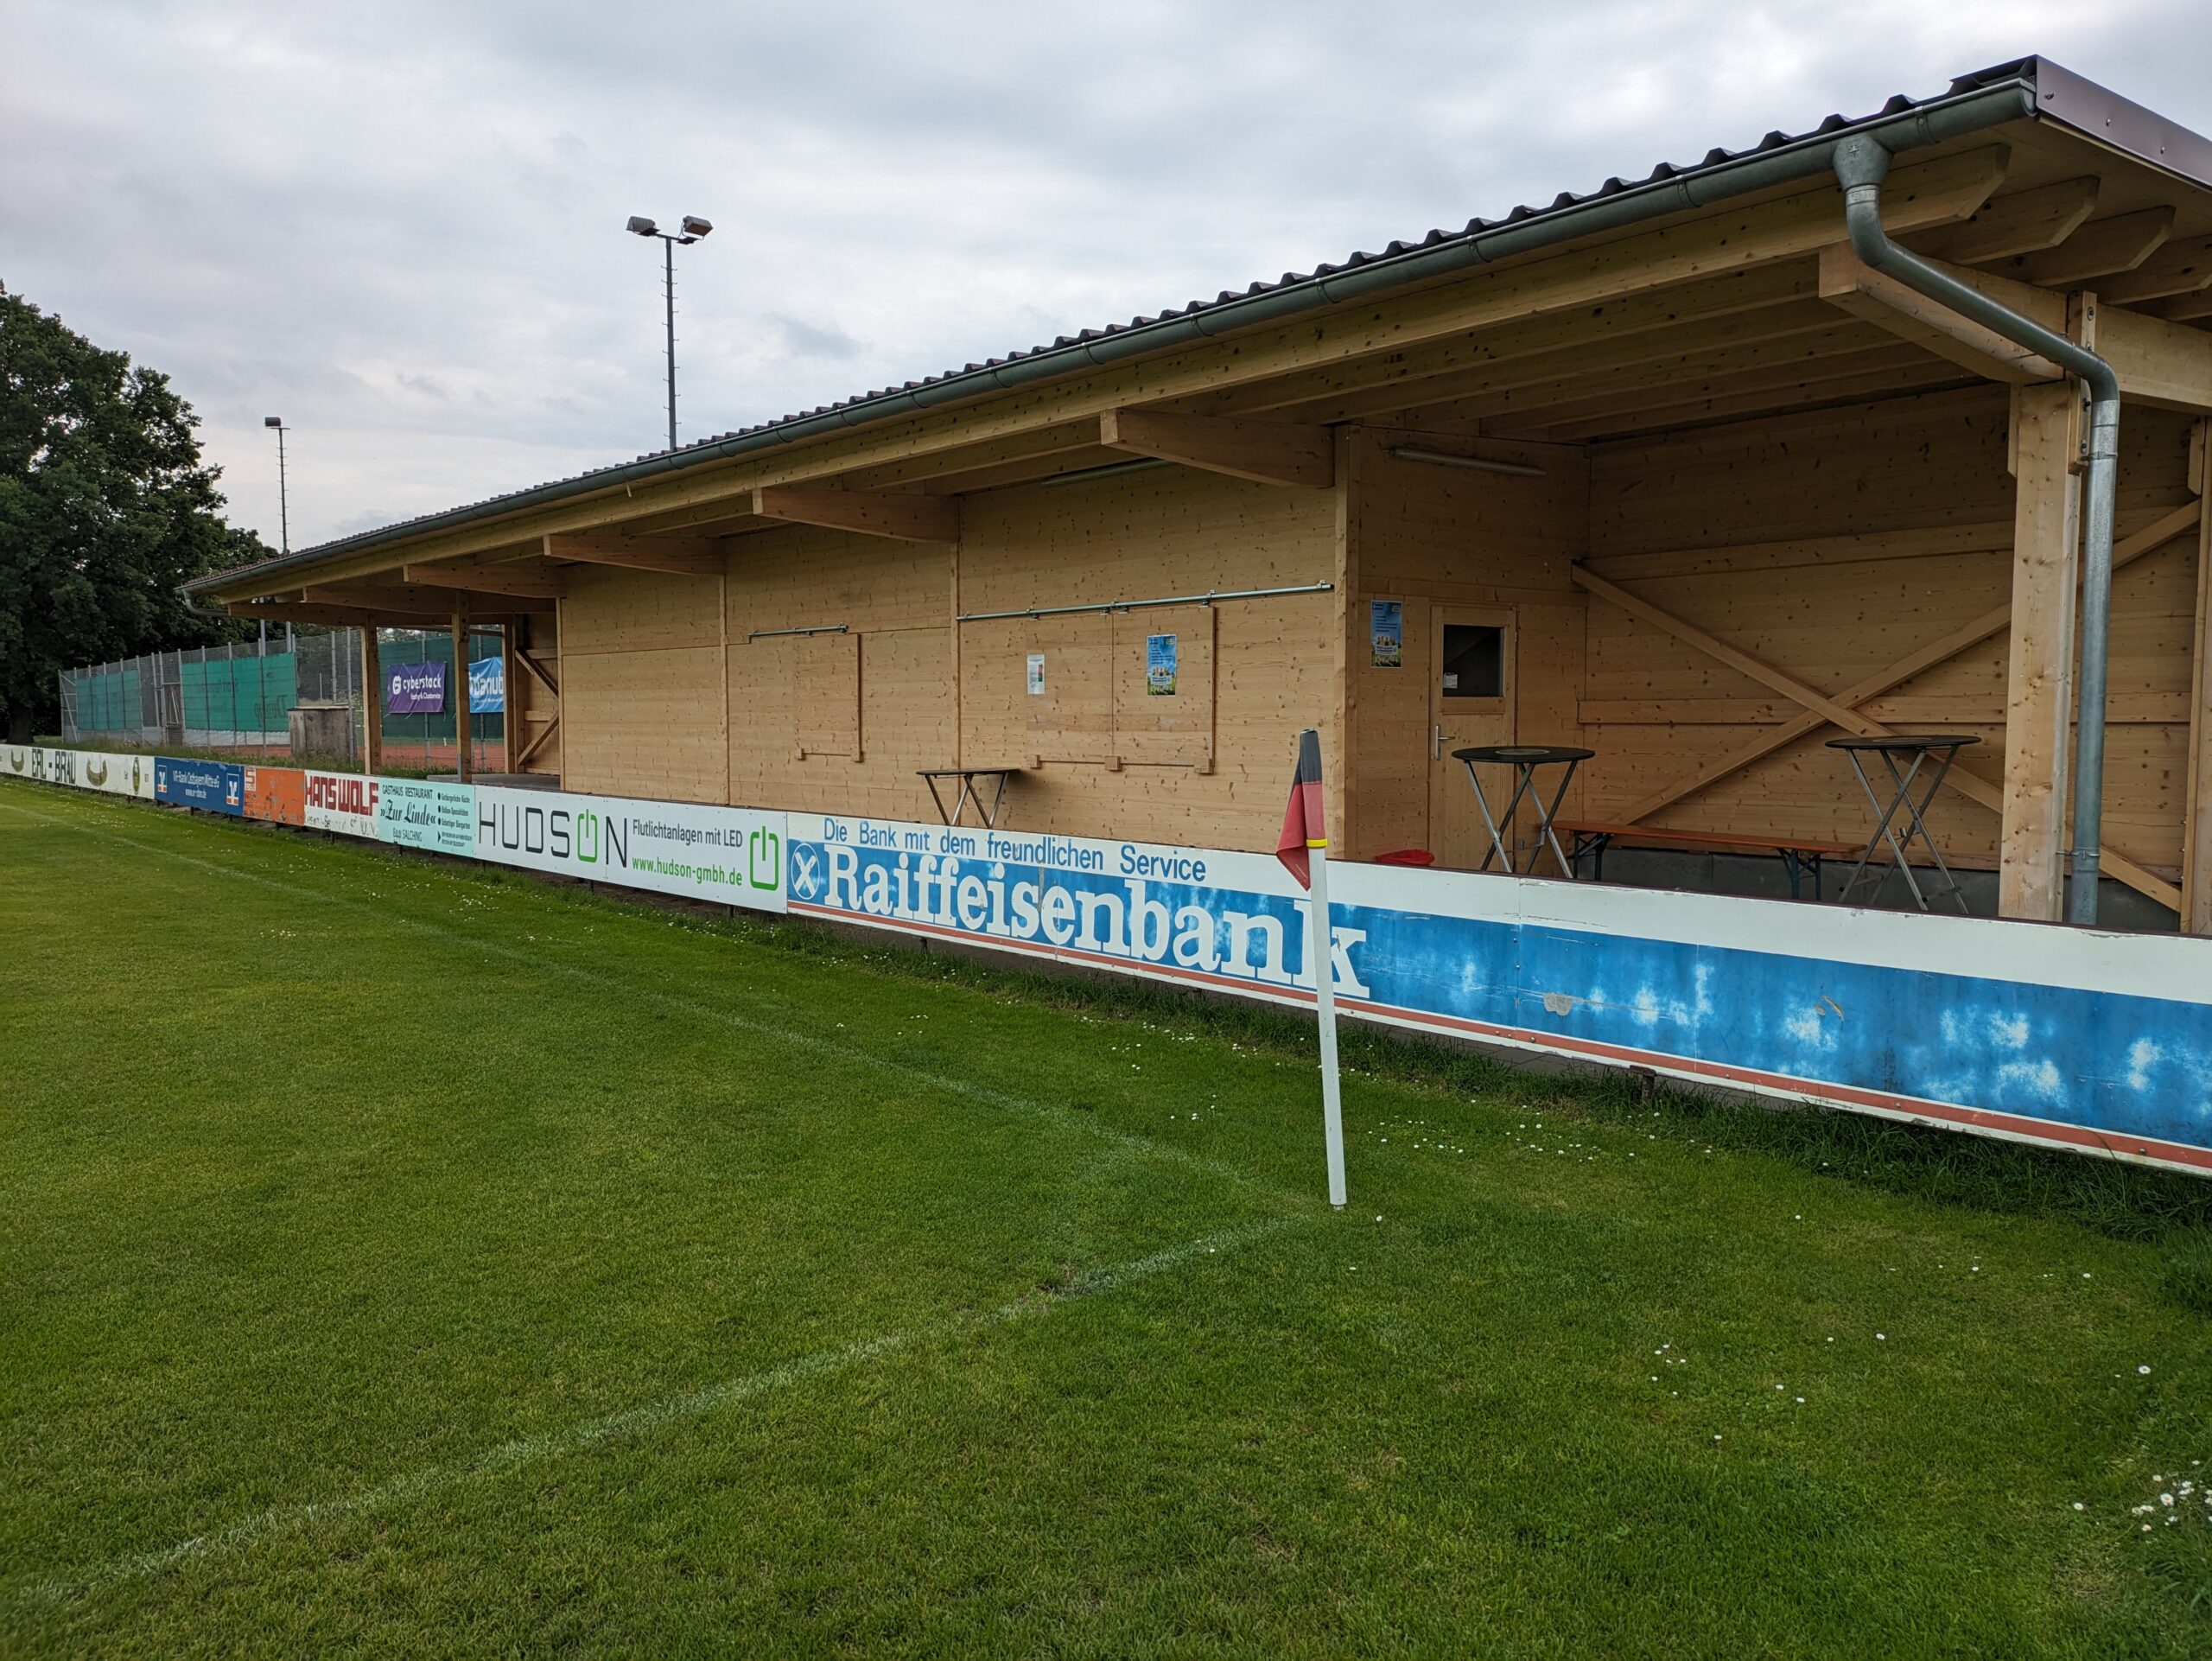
(733, 856)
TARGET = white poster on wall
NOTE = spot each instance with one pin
(733, 856)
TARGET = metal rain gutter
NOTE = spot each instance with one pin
(1862, 162)
(1951, 116)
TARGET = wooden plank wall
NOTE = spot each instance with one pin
(1829, 545)
(838, 722)
(640, 684)
(1424, 534)
(844, 721)
(1265, 667)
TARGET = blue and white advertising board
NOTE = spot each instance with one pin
(212, 787)
(733, 856)
(2034, 1032)
(487, 686)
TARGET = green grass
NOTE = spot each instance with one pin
(410, 1257)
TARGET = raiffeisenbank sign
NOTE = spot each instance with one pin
(733, 856)
(1204, 915)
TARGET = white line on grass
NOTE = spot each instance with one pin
(983, 1094)
(636, 1420)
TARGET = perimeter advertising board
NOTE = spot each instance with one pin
(733, 856)
(423, 813)
(276, 794)
(2064, 1036)
(342, 802)
(211, 787)
(1229, 920)
(118, 775)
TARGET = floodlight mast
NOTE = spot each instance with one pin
(284, 504)
(692, 228)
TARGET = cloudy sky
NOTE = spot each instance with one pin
(400, 226)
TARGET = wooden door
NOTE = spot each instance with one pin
(1470, 702)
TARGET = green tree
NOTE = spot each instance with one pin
(106, 507)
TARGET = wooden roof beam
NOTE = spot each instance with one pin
(488, 580)
(2025, 222)
(674, 556)
(2179, 268)
(1852, 285)
(2158, 360)
(331, 616)
(1265, 452)
(1843, 381)
(899, 515)
(408, 599)
(2182, 308)
(2099, 248)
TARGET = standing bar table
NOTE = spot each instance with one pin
(970, 791)
(1524, 759)
(1904, 755)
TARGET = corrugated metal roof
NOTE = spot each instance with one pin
(1125, 339)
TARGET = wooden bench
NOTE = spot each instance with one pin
(1798, 854)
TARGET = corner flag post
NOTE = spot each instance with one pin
(1322, 954)
(1303, 847)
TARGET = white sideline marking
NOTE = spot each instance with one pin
(653, 1415)
(975, 1092)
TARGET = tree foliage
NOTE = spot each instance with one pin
(106, 507)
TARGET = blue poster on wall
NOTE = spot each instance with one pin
(213, 786)
(1387, 620)
(487, 686)
(1160, 658)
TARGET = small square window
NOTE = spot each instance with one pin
(1474, 661)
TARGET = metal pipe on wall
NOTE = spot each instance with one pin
(1861, 164)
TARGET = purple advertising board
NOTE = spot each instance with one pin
(415, 689)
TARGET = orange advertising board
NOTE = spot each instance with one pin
(279, 794)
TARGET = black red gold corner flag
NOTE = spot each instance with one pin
(1301, 817)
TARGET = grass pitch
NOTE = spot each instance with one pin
(411, 1257)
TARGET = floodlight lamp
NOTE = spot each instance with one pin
(272, 421)
(640, 226)
(695, 226)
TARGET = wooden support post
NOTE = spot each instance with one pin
(722, 611)
(952, 636)
(461, 717)
(371, 702)
(2039, 700)
(1348, 626)
(510, 633)
(2196, 812)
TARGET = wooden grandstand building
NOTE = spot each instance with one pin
(1681, 472)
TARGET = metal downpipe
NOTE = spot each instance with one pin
(1861, 164)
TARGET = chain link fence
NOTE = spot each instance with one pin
(238, 699)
